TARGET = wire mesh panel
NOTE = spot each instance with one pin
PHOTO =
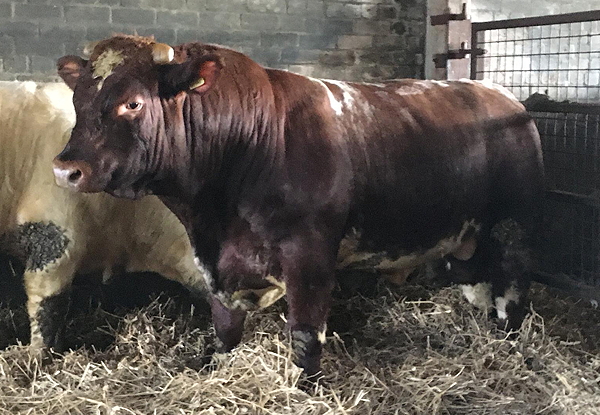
(552, 64)
(556, 57)
(570, 142)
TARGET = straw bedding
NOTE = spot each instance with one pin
(393, 350)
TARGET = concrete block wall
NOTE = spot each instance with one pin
(348, 40)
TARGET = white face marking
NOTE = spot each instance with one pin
(480, 295)
(105, 64)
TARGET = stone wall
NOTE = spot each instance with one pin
(349, 40)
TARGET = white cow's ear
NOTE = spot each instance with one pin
(199, 75)
(69, 68)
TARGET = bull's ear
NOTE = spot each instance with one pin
(199, 75)
(69, 68)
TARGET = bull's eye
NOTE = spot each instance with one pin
(130, 109)
(134, 106)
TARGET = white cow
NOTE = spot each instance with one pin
(57, 232)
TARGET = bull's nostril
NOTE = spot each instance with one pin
(75, 176)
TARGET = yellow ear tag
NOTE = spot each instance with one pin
(198, 83)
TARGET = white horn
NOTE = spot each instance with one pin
(162, 53)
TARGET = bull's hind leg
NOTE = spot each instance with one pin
(512, 265)
(497, 276)
(309, 277)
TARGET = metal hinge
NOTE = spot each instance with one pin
(441, 59)
(441, 19)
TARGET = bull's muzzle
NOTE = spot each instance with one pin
(70, 174)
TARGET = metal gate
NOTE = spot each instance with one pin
(552, 64)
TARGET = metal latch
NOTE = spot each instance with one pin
(441, 19)
(441, 59)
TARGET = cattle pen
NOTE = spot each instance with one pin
(138, 344)
(552, 64)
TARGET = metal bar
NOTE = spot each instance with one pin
(539, 20)
(565, 283)
(562, 107)
(572, 198)
(474, 58)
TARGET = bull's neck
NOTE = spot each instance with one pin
(226, 151)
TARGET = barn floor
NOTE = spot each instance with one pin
(395, 350)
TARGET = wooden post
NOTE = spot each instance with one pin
(450, 32)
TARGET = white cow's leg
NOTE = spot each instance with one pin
(48, 298)
(49, 270)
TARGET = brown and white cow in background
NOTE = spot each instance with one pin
(269, 170)
(57, 233)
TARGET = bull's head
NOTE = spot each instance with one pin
(127, 98)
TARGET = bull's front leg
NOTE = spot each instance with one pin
(229, 325)
(309, 275)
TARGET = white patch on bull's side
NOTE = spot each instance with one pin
(348, 93)
(100, 84)
(335, 104)
(423, 84)
(407, 116)
(480, 294)
(511, 294)
(491, 85)
(419, 87)
(104, 65)
(443, 84)
(408, 90)
(374, 84)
